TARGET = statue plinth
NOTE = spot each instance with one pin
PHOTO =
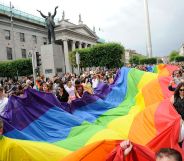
(52, 60)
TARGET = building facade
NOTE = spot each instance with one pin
(22, 33)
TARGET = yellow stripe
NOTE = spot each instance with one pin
(20, 150)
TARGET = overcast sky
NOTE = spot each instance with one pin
(121, 21)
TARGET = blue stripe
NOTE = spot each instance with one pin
(92, 111)
(54, 125)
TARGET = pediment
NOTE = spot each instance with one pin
(83, 30)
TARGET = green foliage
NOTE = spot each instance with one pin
(135, 59)
(173, 55)
(19, 67)
(148, 61)
(179, 58)
(108, 55)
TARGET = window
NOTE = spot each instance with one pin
(22, 37)
(7, 34)
(9, 53)
(59, 70)
(44, 40)
(23, 51)
(48, 71)
(34, 39)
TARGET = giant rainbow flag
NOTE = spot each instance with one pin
(135, 107)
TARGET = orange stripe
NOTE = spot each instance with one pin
(143, 127)
(93, 152)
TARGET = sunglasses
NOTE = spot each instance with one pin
(182, 89)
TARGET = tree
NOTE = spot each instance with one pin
(148, 61)
(14, 68)
(179, 58)
(173, 55)
(135, 59)
(104, 55)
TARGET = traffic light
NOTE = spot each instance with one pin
(38, 59)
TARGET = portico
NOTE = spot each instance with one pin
(72, 37)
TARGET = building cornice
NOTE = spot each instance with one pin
(75, 33)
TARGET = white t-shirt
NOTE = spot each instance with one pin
(95, 83)
(71, 90)
(3, 103)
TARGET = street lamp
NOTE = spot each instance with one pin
(32, 56)
(77, 56)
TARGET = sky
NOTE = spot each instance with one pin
(121, 21)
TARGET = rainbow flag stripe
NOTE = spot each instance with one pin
(136, 107)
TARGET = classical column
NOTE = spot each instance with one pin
(73, 45)
(67, 62)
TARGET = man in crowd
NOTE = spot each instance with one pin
(3, 101)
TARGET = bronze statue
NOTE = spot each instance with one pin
(50, 24)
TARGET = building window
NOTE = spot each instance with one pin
(23, 51)
(22, 37)
(44, 40)
(7, 34)
(48, 71)
(34, 39)
(9, 53)
(59, 70)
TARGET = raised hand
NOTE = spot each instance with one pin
(126, 146)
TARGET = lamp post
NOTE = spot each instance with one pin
(148, 31)
(32, 56)
(12, 30)
(78, 61)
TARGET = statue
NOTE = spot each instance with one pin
(80, 19)
(50, 24)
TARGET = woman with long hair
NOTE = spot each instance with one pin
(178, 102)
(62, 94)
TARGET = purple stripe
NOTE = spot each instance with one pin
(34, 104)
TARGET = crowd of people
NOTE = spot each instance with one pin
(69, 87)
(66, 88)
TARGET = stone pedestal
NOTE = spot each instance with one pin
(52, 60)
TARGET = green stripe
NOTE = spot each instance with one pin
(155, 70)
(81, 134)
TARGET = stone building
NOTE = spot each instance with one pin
(25, 33)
